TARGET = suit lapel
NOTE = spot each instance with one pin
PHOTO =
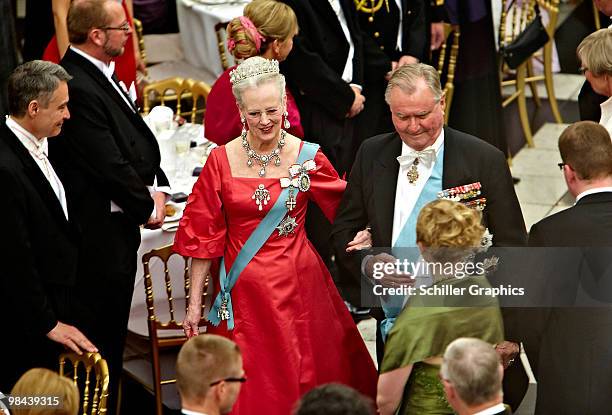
(454, 171)
(385, 171)
(35, 175)
(98, 77)
(102, 81)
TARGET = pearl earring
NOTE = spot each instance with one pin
(286, 123)
(243, 121)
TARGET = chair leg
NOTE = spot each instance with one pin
(548, 79)
(522, 104)
(533, 84)
(119, 395)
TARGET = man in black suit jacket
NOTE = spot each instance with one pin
(417, 109)
(39, 247)
(331, 91)
(110, 160)
(383, 25)
(572, 343)
(472, 377)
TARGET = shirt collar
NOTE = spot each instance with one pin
(29, 141)
(437, 145)
(188, 412)
(107, 70)
(593, 191)
(492, 410)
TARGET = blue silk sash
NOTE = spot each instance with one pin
(407, 239)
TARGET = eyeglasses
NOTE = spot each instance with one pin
(561, 165)
(241, 380)
(270, 113)
(125, 26)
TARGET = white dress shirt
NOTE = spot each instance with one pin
(593, 191)
(406, 193)
(39, 151)
(107, 71)
(492, 410)
(400, 36)
(347, 73)
(606, 115)
(188, 412)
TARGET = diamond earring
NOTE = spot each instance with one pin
(286, 123)
(243, 121)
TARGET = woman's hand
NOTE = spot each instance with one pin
(363, 240)
(192, 319)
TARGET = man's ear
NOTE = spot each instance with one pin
(97, 36)
(33, 108)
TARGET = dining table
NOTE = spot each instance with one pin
(197, 20)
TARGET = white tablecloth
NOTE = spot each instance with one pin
(197, 28)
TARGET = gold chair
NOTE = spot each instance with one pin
(162, 92)
(219, 29)
(596, 16)
(515, 17)
(198, 92)
(446, 64)
(93, 396)
(165, 333)
(141, 45)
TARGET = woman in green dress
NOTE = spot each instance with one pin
(455, 305)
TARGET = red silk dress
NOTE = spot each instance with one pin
(292, 327)
(125, 65)
(222, 121)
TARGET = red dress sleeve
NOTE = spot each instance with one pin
(326, 187)
(222, 121)
(202, 229)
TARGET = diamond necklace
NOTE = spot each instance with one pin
(263, 159)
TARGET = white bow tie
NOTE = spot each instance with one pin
(109, 70)
(426, 157)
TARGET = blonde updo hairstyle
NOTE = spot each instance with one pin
(44, 382)
(448, 231)
(274, 21)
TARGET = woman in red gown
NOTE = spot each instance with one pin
(125, 64)
(287, 317)
(267, 30)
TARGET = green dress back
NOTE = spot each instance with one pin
(426, 326)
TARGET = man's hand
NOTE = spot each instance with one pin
(388, 279)
(407, 60)
(362, 240)
(358, 103)
(437, 35)
(155, 222)
(71, 337)
(507, 351)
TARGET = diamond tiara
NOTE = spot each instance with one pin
(248, 69)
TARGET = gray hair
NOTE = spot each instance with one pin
(406, 78)
(256, 80)
(34, 80)
(595, 52)
(472, 366)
